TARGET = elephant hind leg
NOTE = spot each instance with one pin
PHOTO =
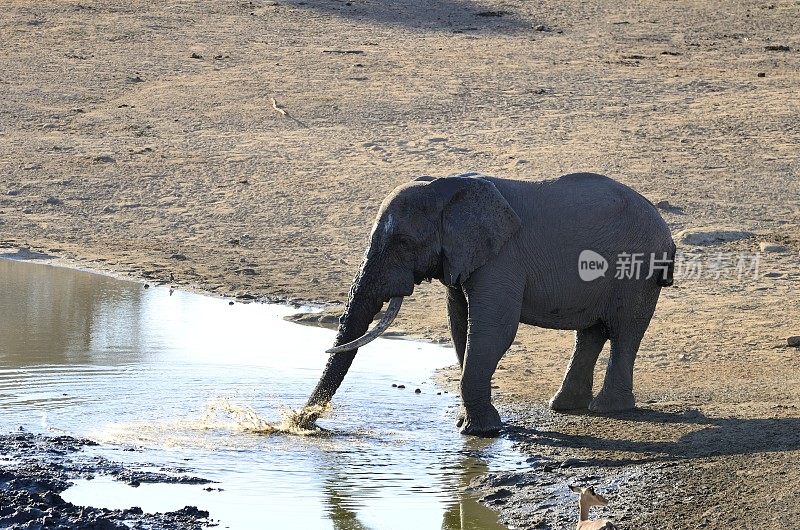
(576, 389)
(626, 335)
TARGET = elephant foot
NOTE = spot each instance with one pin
(481, 422)
(565, 400)
(607, 401)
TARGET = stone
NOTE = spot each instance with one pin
(766, 246)
(793, 341)
(711, 235)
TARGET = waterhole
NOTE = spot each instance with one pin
(169, 379)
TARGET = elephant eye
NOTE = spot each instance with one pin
(404, 242)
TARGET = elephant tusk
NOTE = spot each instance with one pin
(374, 333)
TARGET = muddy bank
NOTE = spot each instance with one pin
(35, 469)
(661, 466)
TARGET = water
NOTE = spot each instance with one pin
(187, 379)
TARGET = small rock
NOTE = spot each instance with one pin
(135, 79)
(711, 235)
(776, 48)
(394, 385)
(540, 27)
(666, 206)
(418, 391)
(401, 386)
(230, 303)
(766, 246)
(793, 341)
(54, 201)
(179, 257)
(572, 462)
(147, 286)
(761, 74)
(105, 159)
(196, 55)
(501, 493)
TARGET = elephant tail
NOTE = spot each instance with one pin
(667, 278)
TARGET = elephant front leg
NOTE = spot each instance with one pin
(457, 318)
(576, 389)
(487, 340)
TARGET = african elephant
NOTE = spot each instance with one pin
(513, 252)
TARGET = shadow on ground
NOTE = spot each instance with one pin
(445, 15)
(715, 437)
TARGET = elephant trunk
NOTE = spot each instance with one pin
(361, 307)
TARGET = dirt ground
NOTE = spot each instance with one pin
(141, 138)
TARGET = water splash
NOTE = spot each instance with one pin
(212, 428)
(246, 419)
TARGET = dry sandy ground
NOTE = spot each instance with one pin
(140, 137)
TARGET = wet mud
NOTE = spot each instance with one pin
(660, 466)
(36, 469)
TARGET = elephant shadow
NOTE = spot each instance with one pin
(446, 15)
(716, 437)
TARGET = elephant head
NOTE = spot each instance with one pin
(442, 228)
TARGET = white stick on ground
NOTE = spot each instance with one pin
(277, 108)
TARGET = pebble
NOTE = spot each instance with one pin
(572, 462)
(54, 201)
(766, 246)
(794, 341)
(401, 386)
(394, 385)
(418, 391)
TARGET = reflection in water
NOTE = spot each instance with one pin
(193, 382)
(468, 513)
(83, 313)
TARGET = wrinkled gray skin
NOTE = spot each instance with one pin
(507, 251)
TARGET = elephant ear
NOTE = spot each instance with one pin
(476, 223)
